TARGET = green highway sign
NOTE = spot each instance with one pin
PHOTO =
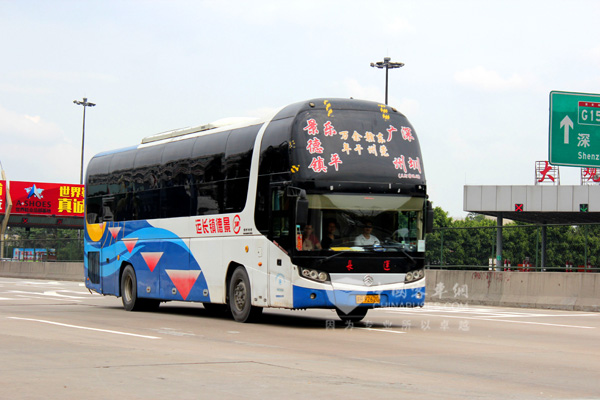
(574, 129)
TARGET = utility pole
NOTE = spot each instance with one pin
(387, 64)
(85, 104)
(7, 208)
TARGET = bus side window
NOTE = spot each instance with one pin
(261, 213)
(279, 212)
(93, 210)
(108, 206)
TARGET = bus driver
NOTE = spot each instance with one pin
(366, 238)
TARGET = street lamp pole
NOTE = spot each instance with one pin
(7, 209)
(85, 104)
(387, 64)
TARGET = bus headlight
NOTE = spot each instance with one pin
(314, 274)
(414, 275)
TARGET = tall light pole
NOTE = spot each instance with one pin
(85, 104)
(7, 209)
(387, 65)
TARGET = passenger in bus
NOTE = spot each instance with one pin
(330, 235)
(309, 240)
(366, 238)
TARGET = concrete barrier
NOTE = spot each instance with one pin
(60, 271)
(551, 290)
(576, 291)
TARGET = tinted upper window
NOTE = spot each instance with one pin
(274, 150)
(147, 167)
(238, 156)
(97, 176)
(207, 157)
(176, 163)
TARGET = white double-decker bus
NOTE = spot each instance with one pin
(323, 205)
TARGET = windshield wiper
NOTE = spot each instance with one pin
(321, 261)
(375, 247)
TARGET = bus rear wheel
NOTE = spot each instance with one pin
(240, 297)
(355, 315)
(131, 301)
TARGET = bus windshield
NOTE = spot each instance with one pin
(342, 222)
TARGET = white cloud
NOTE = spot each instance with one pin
(263, 112)
(65, 76)
(59, 162)
(355, 90)
(399, 25)
(481, 78)
(409, 107)
(27, 128)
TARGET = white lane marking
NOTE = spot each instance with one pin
(499, 320)
(543, 315)
(172, 332)
(39, 283)
(61, 293)
(491, 313)
(381, 330)
(84, 327)
(54, 294)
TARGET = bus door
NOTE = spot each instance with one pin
(281, 235)
(108, 254)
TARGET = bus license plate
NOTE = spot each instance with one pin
(367, 299)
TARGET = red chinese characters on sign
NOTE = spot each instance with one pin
(311, 127)
(390, 130)
(386, 265)
(356, 143)
(407, 134)
(399, 163)
(205, 226)
(314, 146)
(591, 174)
(318, 164)
(40, 198)
(545, 173)
(328, 129)
(335, 161)
(414, 164)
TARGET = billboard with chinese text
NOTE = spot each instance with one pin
(33, 254)
(38, 198)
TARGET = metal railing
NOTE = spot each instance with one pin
(569, 248)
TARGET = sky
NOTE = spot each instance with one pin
(475, 84)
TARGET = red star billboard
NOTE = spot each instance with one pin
(38, 198)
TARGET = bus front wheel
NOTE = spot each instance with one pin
(355, 315)
(240, 297)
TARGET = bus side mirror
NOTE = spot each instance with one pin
(301, 211)
(301, 204)
(429, 218)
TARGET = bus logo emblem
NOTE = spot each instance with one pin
(368, 280)
(237, 226)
